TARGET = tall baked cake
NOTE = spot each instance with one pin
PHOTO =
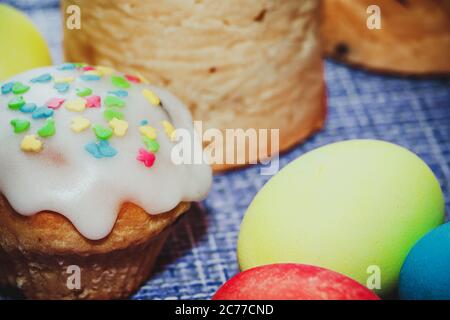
(252, 64)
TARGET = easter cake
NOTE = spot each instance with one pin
(254, 64)
(403, 36)
(87, 180)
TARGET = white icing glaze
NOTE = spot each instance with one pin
(65, 178)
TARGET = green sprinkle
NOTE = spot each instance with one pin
(16, 103)
(20, 88)
(20, 125)
(83, 92)
(110, 114)
(120, 82)
(48, 129)
(150, 144)
(113, 101)
(102, 133)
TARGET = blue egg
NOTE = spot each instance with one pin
(425, 274)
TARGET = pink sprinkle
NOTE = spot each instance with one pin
(93, 102)
(88, 68)
(132, 78)
(147, 158)
(55, 103)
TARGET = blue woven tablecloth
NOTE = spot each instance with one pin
(201, 252)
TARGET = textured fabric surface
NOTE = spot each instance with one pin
(201, 252)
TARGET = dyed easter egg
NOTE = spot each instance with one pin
(426, 271)
(292, 282)
(23, 47)
(356, 207)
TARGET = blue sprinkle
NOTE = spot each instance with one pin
(89, 77)
(43, 78)
(144, 122)
(42, 113)
(28, 108)
(61, 87)
(92, 148)
(106, 150)
(101, 150)
(119, 93)
(7, 87)
(66, 66)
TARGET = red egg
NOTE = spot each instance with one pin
(292, 282)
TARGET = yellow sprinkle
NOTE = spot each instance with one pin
(119, 127)
(77, 105)
(65, 80)
(31, 144)
(142, 78)
(94, 73)
(148, 131)
(170, 130)
(151, 97)
(106, 71)
(80, 124)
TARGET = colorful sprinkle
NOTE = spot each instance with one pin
(64, 80)
(170, 130)
(105, 149)
(110, 114)
(133, 78)
(89, 77)
(66, 66)
(20, 125)
(102, 133)
(80, 124)
(48, 129)
(42, 113)
(119, 127)
(143, 79)
(76, 105)
(55, 103)
(150, 144)
(88, 68)
(151, 97)
(43, 78)
(93, 102)
(144, 122)
(119, 93)
(93, 73)
(120, 82)
(147, 158)
(148, 131)
(83, 92)
(113, 101)
(20, 88)
(101, 150)
(31, 144)
(16, 103)
(28, 108)
(106, 71)
(61, 87)
(7, 87)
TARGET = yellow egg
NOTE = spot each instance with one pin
(22, 46)
(355, 207)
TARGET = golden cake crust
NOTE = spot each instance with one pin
(414, 37)
(35, 252)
